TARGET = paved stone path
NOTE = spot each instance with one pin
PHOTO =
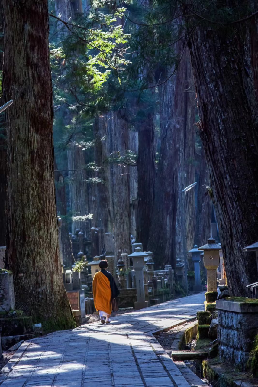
(121, 354)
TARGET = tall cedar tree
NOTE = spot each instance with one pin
(32, 243)
(224, 60)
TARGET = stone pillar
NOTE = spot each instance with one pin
(138, 265)
(211, 263)
(196, 257)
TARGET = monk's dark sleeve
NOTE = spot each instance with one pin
(114, 289)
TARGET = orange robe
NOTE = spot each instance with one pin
(102, 293)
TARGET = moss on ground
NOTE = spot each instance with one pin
(221, 374)
(243, 299)
(202, 345)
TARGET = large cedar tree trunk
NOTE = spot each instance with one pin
(146, 176)
(33, 253)
(2, 146)
(225, 68)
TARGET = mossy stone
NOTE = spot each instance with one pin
(203, 331)
(253, 358)
(204, 317)
(211, 296)
(210, 307)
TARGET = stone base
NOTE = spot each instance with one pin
(141, 305)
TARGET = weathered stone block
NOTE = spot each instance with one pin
(7, 300)
(238, 325)
(211, 296)
(213, 331)
(203, 317)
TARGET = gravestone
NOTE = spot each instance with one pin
(196, 257)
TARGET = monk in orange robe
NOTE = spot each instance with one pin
(104, 291)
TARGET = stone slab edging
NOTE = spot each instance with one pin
(175, 373)
(237, 306)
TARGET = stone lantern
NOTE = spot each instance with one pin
(138, 265)
(137, 245)
(253, 287)
(196, 257)
(211, 263)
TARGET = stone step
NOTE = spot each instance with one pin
(189, 355)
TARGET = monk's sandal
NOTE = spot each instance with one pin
(102, 320)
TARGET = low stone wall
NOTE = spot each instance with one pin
(238, 325)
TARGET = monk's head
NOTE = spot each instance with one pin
(103, 264)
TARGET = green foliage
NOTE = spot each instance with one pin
(80, 265)
(92, 46)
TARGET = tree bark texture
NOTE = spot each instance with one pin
(77, 176)
(66, 244)
(225, 69)
(32, 245)
(114, 196)
(3, 146)
(146, 175)
(173, 229)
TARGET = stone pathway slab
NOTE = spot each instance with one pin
(122, 354)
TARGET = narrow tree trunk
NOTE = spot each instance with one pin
(225, 69)
(33, 253)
